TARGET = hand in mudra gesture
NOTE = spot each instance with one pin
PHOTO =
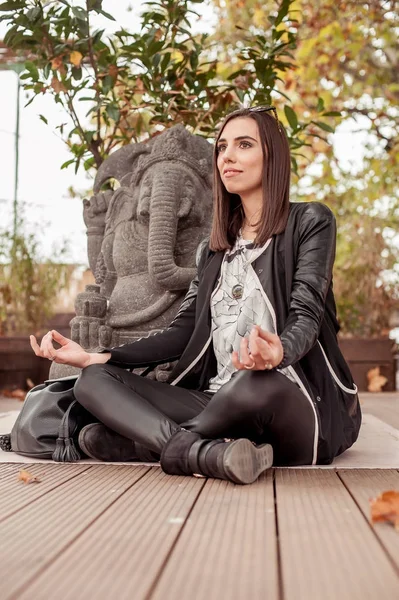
(260, 351)
(70, 352)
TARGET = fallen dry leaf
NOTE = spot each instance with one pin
(27, 477)
(386, 508)
(376, 381)
(17, 393)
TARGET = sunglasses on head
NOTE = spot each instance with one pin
(259, 109)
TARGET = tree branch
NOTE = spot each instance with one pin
(93, 64)
(93, 145)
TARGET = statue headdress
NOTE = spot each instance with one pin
(178, 145)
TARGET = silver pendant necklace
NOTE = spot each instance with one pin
(237, 291)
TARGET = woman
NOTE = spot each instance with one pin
(255, 338)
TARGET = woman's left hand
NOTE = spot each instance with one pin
(260, 351)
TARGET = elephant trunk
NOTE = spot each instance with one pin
(165, 200)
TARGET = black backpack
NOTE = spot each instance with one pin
(49, 423)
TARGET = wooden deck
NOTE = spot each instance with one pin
(99, 532)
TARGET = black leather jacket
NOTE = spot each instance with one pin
(296, 274)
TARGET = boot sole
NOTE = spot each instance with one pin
(243, 462)
(81, 442)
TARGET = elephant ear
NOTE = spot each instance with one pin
(120, 163)
(206, 169)
(184, 208)
(122, 208)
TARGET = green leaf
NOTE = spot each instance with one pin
(67, 163)
(108, 84)
(76, 73)
(9, 36)
(165, 61)
(32, 69)
(332, 113)
(94, 4)
(79, 13)
(194, 58)
(320, 105)
(33, 14)
(282, 13)
(30, 101)
(43, 118)
(46, 70)
(97, 35)
(107, 15)
(113, 112)
(89, 163)
(14, 5)
(324, 126)
(291, 117)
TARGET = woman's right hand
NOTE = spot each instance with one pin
(70, 352)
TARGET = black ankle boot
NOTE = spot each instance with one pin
(239, 461)
(174, 456)
(101, 443)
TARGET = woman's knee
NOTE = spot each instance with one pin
(88, 381)
(250, 391)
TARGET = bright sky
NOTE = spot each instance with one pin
(43, 187)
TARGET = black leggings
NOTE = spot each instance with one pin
(259, 405)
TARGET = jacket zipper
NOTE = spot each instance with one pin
(295, 375)
(204, 349)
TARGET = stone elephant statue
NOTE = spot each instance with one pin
(142, 237)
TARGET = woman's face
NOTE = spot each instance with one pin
(240, 157)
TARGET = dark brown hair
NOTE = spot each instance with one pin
(228, 213)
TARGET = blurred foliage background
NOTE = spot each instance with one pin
(321, 64)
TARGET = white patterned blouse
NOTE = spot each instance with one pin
(237, 304)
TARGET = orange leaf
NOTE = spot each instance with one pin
(18, 393)
(56, 62)
(113, 71)
(27, 477)
(386, 508)
(57, 85)
(139, 87)
(75, 58)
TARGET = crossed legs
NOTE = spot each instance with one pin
(261, 406)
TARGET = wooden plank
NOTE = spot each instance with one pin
(121, 553)
(15, 494)
(227, 548)
(33, 537)
(7, 468)
(327, 548)
(365, 485)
